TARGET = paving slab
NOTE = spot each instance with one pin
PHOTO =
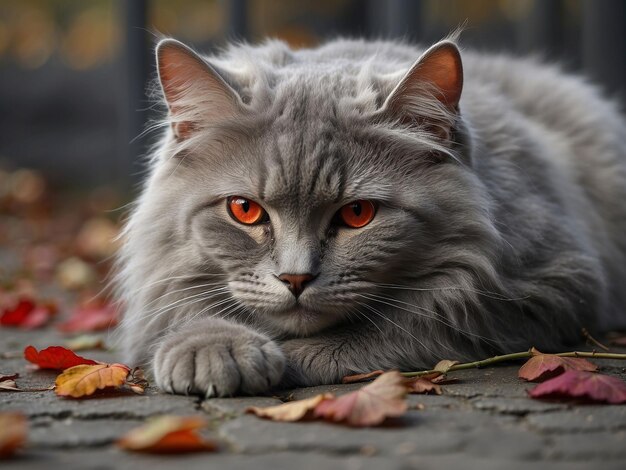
(484, 420)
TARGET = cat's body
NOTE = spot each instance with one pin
(494, 231)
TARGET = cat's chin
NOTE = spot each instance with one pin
(300, 321)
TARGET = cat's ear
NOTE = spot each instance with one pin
(196, 94)
(436, 77)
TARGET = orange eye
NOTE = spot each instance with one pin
(246, 211)
(357, 214)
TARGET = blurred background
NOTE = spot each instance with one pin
(73, 73)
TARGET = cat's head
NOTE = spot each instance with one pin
(306, 186)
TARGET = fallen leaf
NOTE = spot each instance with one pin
(368, 406)
(137, 381)
(444, 365)
(7, 383)
(84, 380)
(13, 430)
(544, 366)
(291, 411)
(349, 379)
(97, 238)
(92, 316)
(25, 313)
(582, 384)
(74, 274)
(55, 357)
(85, 343)
(423, 385)
(168, 435)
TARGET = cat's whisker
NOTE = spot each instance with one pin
(488, 294)
(173, 278)
(363, 315)
(437, 317)
(381, 315)
(154, 316)
(184, 300)
(183, 290)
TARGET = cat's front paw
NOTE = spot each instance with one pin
(218, 361)
(314, 362)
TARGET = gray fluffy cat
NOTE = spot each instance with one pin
(315, 213)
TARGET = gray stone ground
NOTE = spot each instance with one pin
(484, 421)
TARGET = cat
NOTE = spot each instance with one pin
(314, 213)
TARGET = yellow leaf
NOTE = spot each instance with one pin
(84, 380)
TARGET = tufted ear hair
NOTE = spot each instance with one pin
(430, 91)
(196, 94)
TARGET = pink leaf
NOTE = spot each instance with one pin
(582, 384)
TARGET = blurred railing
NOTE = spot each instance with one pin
(84, 123)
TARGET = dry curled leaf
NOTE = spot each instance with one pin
(168, 435)
(55, 357)
(368, 406)
(13, 430)
(291, 411)
(544, 366)
(84, 380)
(349, 379)
(423, 385)
(7, 383)
(136, 381)
(444, 365)
(582, 384)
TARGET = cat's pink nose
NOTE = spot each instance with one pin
(296, 282)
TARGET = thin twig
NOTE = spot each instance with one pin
(519, 355)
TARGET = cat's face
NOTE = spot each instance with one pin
(302, 204)
(305, 207)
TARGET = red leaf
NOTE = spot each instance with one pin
(55, 357)
(544, 366)
(27, 314)
(368, 406)
(582, 384)
(91, 317)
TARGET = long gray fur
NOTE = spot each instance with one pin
(509, 235)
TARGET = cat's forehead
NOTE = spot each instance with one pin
(311, 153)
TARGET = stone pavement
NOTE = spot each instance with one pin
(483, 421)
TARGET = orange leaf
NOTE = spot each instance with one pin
(13, 429)
(80, 381)
(423, 385)
(370, 405)
(168, 435)
(582, 384)
(292, 411)
(544, 366)
(349, 379)
(55, 357)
